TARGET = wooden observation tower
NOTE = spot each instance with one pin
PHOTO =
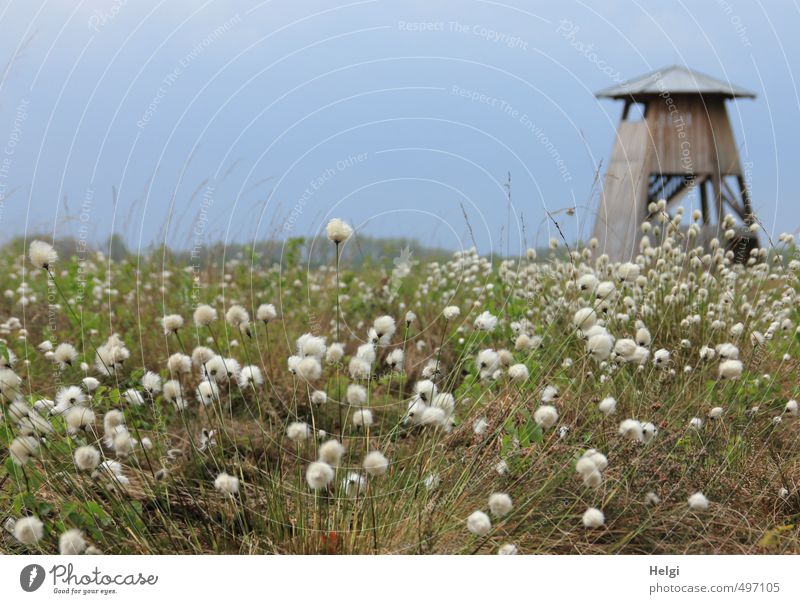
(674, 136)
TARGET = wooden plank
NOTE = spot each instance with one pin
(621, 207)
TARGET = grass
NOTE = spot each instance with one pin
(740, 461)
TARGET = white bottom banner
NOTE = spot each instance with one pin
(398, 578)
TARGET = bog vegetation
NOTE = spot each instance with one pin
(553, 404)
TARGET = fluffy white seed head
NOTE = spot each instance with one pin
(375, 464)
(338, 231)
(698, 502)
(87, 458)
(500, 504)
(227, 484)
(28, 530)
(478, 523)
(71, 543)
(42, 254)
(319, 475)
(593, 518)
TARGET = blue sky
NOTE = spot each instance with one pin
(232, 120)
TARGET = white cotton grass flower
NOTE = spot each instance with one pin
(71, 543)
(395, 359)
(151, 382)
(366, 352)
(608, 406)
(9, 384)
(649, 432)
(716, 413)
(486, 321)
(451, 312)
(359, 369)
(207, 392)
(68, 396)
(338, 231)
(319, 475)
(123, 443)
(549, 394)
(331, 452)
(238, 318)
(319, 397)
(593, 518)
(201, 355)
(356, 395)
(44, 406)
(414, 412)
(171, 323)
(111, 356)
(661, 357)
(204, 315)
(651, 498)
(334, 353)
(78, 418)
(309, 345)
(500, 504)
(42, 254)
(435, 417)
(730, 369)
(375, 464)
(354, 484)
(590, 466)
(86, 458)
(698, 502)
(518, 372)
(384, 327)
(791, 408)
(309, 369)
(487, 361)
(232, 368)
(215, 369)
(444, 401)
(707, 353)
(426, 390)
(478, 523)
(266, 313)
(643, 337)
(696, 423)
(133, 397)
(90, 383)
(22, 449)
(227, 484)
(113, 419)
(250, 377)
(65, 354)
(632, 428)
(545, 416)
(508, 549)
(28, 530)
(584, 319)
(298, 432)
(172, 390)
(480, 426)
(362, 418)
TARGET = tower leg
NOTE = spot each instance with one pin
(748, 208)
(704, 200)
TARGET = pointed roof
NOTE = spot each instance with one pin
(676, 80)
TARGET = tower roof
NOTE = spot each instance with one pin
(675, 80)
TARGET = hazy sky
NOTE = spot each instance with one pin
(234, 120)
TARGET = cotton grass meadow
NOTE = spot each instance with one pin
(553, 403)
